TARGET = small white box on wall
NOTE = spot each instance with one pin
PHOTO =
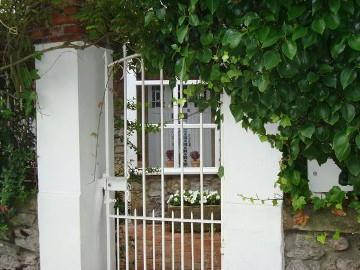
(323, 178)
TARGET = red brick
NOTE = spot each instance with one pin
(73, 29)
(61, 18)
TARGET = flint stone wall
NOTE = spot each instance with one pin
(304, 252)
(19, 246)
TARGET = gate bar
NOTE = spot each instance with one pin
(143, 153)
(162, 168)
(125, 159)
(182, 175)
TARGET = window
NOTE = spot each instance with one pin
(172, 130)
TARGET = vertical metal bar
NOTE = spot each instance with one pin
(212, 241)
(117, 239)
(172, 242)
(153, 240)
(125, 161)
(222, 194)
(162, 169)
(182, 176)
(135, 240)
(108, 230)
(143, 152)
(201, 192)
(192, 242)
(107, 166)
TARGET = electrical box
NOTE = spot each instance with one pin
(323, 178)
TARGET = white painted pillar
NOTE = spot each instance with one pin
(70, 202)
(252, 233)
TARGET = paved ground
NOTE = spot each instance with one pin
(168, 248)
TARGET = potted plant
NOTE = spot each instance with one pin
(191, 198)
(170, 158)
(195, 162)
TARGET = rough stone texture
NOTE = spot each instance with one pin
(323, 220)
(19, 248)
(303, 252)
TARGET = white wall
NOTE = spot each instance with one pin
(71, 210)
(252, 233)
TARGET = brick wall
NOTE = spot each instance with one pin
(63, 25)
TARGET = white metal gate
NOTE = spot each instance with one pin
(157, 244)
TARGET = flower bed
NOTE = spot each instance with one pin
(211, 200)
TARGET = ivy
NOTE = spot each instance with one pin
(17, 103)
(293, 63)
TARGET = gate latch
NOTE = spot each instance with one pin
(112, 183)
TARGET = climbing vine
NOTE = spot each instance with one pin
(17, 103)
(293, 63)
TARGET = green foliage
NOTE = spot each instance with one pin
(17, 103)
(294, 63)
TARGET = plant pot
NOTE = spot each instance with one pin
(170, 163)
(195, 163)
(215, 209)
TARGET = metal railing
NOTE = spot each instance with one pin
(130, 217)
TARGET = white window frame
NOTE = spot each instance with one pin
(132, 116)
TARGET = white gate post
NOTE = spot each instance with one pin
(71, 209)
(252, 233)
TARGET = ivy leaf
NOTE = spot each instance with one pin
(299, 33)
(354, 42)
(357, 141)
(298, 202)
(308, 130)
(347, 76)
(332, 21)
(205, 55)
(181, 33)
(352, 93)
(309, 40)
(160, 14)
(323, 111)
(295, 149)
(194, 19)
(337, 48)
(318, 25)
(221, 171)
(261, 82)
(149, 17)
(321, 238)
(295, 11)
(289, 48)
(271, 38)
(271, 59)
(334, 5)
(180, 68)
(231, 38)
(212, 5)
(206, 39)
(353, 164)
(348, 112)
(341, 145)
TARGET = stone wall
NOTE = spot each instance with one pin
(19, 247)
(172, 184)
(304, 252)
